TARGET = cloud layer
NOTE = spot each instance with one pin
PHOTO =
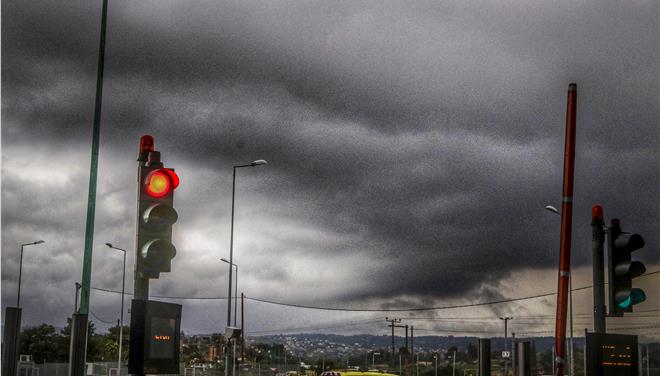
(411, 149)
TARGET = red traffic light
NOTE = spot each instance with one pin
(161, 182)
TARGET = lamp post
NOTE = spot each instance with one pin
(121, 314)
(258, 162)
(20, 272)
(12, 328)
(10, 363)
(552, 209)
(235, 285)
(435, 356)
(233, 348)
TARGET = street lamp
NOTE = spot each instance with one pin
(435, 356)
(9, 364)
(552, 209)
(235, 286)
(121, 314)
(258, 162)
(20, 272)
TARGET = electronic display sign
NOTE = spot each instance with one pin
(154, 341)
(612, 354)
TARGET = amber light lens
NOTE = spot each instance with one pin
(158, 184)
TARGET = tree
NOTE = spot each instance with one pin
(41, 342)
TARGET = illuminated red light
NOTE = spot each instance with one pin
(174, 176)
(159, 183)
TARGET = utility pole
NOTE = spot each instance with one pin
(506, 362)
(412, 347)
(598, 265)
(392, 321)
(407, 357)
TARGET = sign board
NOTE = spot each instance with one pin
(612, 355)
(506, 354)
(154, 341)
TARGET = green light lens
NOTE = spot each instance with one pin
(625, 303)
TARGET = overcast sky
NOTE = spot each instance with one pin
(411, 150)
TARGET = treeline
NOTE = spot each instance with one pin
(48, 345)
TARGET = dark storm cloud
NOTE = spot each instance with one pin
(411, 149)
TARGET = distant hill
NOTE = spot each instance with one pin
(427, 343)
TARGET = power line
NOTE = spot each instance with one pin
(373, 309)
(100, 319)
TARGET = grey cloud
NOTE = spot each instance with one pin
(412, 149)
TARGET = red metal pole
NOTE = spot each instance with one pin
(566, 227)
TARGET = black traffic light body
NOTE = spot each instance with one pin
(622, 269)
(155, 218)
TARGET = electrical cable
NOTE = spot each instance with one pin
(100, 319)
(469, 305)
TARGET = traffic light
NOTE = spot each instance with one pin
(156, 214)
(622, 269)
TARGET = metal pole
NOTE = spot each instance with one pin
(454, 366)
(553, 358)
(513, 353)
(506, 362)
(584, 362)
(570, 291)
(598, 265)
(436, 364)
(231, 246)
(75, 305)
(407, 350)
(77, 353)
(242, 323)
(233, 357)
(392, 359)
(231, 260)
(91, 197)
(20, 272)
(235, 295)
(566, 228)
(121, 315)
(412, 348)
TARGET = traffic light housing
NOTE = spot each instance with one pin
(622, 270)
(156, 214)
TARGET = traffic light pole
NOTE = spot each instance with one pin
(597, 240)
(78, 344)
(140, 284)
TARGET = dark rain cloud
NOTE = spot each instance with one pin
(411, 149)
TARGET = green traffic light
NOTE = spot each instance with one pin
(626, 303)
(636, 296)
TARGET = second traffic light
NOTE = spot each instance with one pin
(622, 270)
(156, 214)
